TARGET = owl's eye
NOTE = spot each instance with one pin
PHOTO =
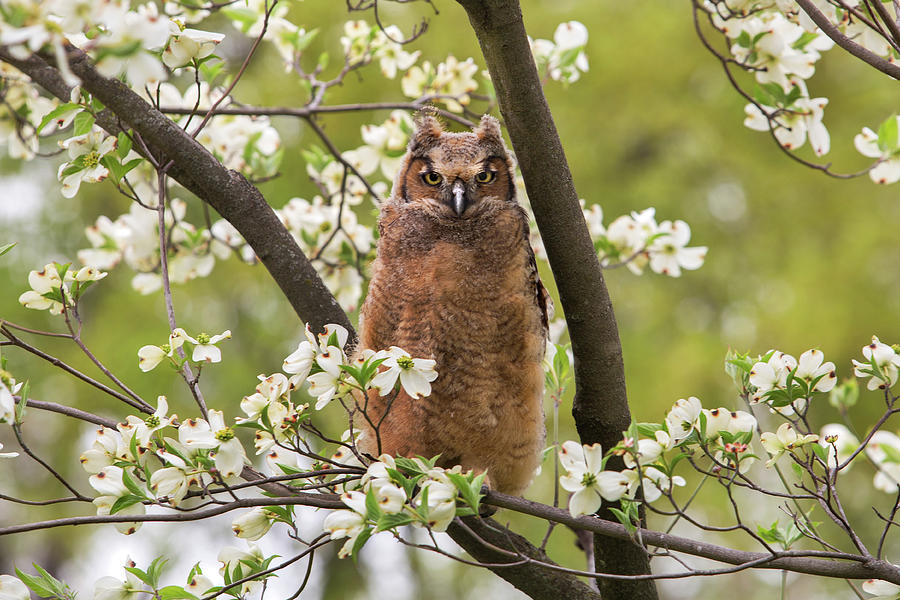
(432, 178)
(485, 176)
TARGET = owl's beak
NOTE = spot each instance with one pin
(459, 197)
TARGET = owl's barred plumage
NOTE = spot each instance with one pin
(455, 280)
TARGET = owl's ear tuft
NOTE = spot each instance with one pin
(428, 130)
(489, 130)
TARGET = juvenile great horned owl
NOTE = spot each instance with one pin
(455, 280)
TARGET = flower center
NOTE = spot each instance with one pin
(91, 159)
(203, 338)
(405, 363)
(152, 421)
(588, 479)
(223, 435)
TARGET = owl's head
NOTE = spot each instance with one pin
(455, 175)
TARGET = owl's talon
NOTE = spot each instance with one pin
(486, 510)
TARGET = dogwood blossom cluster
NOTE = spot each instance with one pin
(332, 375)
(363, 43)
(57, 287)
(638, 241)
(402, 491)
(450, 81)
(247, 144)
(134, 238)
(137, 464)
(121, 40)
(649, 473)
(785, 384)
(780, 45)
(563, 58)
(725, 437)
(205, 350)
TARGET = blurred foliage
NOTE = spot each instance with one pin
(796, 259)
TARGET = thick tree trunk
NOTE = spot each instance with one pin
(601, 405)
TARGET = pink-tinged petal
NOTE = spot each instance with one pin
(613, 485)
(584, 502)
(70, 185)
(755, 119)
(792, 135)
(593, 457)
(356, 501)
(572, 481)
(886, 172)
(571, 454)
(829, 378)
(881, 588)
(385, 381)
(762, 375)
(107, 145)
(32, 299)
(692, 258)
(207, 353)
(809, 363)
(819, 138)
(867, 143)
(150, 356)
(414, 383)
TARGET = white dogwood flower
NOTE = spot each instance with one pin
(882, 365)
(415, 374)
(587, 480)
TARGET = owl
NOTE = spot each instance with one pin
(455, 280)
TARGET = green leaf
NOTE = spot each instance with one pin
(373, 511)
(155, 570)
(6, 248)
(304, 40)
(887, 134)
(770, 535)
(623, 519)
(805, 38)
(361, 539)
(892, 454)
(83, 122)
(54, 114)
(821, 452)
(113, 166)
(386, 522)
(23, 403)
(124, 502)
(123, 144)
(174, 592)
(45, 585)
(140, 574)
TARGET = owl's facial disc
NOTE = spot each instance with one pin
(460, 198)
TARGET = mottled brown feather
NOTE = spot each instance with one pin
(463, 290)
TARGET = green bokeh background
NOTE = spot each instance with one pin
(796, 260)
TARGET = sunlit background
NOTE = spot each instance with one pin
(796, 260)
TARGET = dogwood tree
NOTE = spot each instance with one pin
(137, 101)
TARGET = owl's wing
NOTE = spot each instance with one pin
(541, 296)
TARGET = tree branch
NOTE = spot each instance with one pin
(601, 405)
(812, 562)
(864, 54)
(228, 192)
